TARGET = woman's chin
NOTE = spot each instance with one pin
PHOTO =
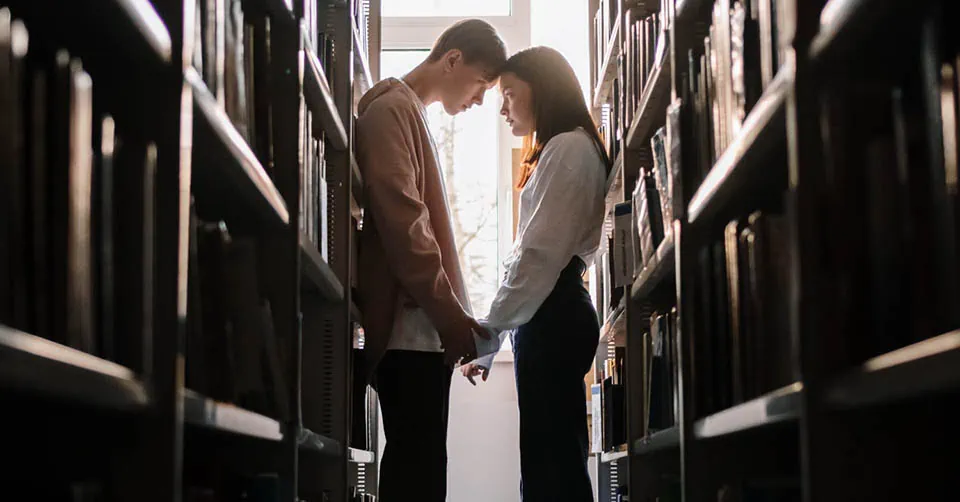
(518, 131)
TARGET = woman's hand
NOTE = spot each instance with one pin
(471, 370)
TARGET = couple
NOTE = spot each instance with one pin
(418, 320)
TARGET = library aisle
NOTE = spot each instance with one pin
(777, 285)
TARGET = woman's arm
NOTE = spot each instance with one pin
(565, 193)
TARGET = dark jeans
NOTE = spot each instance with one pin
(552, 353)
(414, 389)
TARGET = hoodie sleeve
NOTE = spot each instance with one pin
(386, 150)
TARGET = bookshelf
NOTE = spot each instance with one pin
(210, 346)
(803, 376)
(34, 364)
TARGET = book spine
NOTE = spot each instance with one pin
(79, 244)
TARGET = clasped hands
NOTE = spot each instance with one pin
(459, 345)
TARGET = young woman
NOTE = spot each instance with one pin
(542, 297)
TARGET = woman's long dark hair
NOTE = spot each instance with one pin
(558, 104)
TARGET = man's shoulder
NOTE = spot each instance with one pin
(391, 99)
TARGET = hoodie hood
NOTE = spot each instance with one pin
(383, 87)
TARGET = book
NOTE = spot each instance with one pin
(57, 195)
(623, 252)
(731, 245)
(196, 362)
(14, 251)
(705, 382)
(769, 40)
(147, 262)
(650, 227)
(241, 291)
(235, 98)
(38, 130)
(214, 46)
(749, 343)
(722, 328)
(659, 384)
(769, 286)
(103, 236)
(218, 331)
(661, 176)
(73, 257)
(276, 382)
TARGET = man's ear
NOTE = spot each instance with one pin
(451, 59)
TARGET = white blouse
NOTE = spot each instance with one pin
(561, 216)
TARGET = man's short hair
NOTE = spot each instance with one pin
(477, 40)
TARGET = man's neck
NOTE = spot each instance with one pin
(422, 81)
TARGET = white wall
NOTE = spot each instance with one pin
(483, 441)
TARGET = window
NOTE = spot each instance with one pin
(446, 8)
(467, 145)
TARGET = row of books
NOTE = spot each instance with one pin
(259, 488)
(321, 40)
(742, 329)
(225, 54)
(613, 402)
(76, 236)
(233, 353)
(652, 202)
(606, 291)
(604, 21)
(361, 16)
(313, 183)
(739, 60)
(891, 150)
(661, 372)
(645, 48)
(760, 491)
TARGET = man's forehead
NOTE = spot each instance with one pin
(486, 72)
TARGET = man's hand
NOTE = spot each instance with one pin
(457, 339)
(471, 370)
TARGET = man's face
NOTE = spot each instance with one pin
(464, 85)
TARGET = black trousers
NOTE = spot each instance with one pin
(552, 353)
(414, 390)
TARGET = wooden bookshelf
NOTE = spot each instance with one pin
(613, 456)
(782, 405)
(667, 439)
(319, 277)
(660, 270)
(236, 180)
(208, 413)
(361, 62)
(316, 90)
(830, 427)
(211, 165)
(314, 443)
(928, 367)
(743, 162)
(608, 70)
(357, 456)
(35, 365)
(653, 106)
(357, 179)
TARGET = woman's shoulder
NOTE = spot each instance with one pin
(575, 144)
(577, 138)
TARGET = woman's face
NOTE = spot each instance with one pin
(517, 105)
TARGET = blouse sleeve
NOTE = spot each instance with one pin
(562, 205)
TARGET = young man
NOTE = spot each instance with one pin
(418, 320)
